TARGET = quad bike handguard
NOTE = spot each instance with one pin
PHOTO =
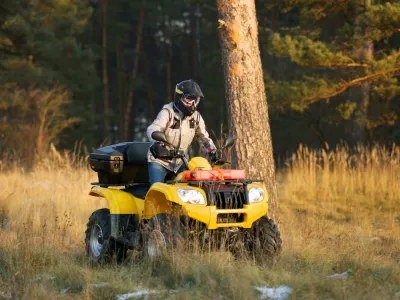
(215, 156)
(161, 151)
(172, 153)
(218, 161)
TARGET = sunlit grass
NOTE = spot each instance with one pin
(339, 211)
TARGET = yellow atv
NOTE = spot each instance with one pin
(151, 218)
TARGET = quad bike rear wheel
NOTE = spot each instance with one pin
(265, 242)
(162, 233)
(100, 248)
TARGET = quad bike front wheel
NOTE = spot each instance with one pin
(265, 242)
(162, 233)
(100, 248)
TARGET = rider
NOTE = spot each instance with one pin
(181, 123)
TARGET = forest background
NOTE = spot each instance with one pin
(79, 74)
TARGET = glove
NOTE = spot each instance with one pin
(213, 155)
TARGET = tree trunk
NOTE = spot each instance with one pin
(192, 59)
(245, 93)
(198, 52)
(129, 102)
(150, 90)
(168, 65)
(120, 85)
(40, 150)
(106, 88)
(363, 51)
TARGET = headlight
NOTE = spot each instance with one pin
(190, 196)
(256, 194)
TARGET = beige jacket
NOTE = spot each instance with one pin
(179, 132)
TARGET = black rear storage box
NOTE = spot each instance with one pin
(123, 163)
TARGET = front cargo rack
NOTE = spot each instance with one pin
(116, 184)
(191, 182)
(196, 182)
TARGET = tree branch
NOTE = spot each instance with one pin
(341, 88)
(351, 65)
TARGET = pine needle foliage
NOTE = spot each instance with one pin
(334, 48)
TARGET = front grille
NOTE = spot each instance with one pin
(227, 198)
(230, 218)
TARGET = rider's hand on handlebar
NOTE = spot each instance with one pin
(213, 155)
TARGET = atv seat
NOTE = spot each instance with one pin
(136, 153)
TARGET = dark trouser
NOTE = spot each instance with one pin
(157, 172)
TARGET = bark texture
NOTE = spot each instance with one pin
(245, 93)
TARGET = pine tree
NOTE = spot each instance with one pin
(245, 93)
(41, 49)
(329, 49)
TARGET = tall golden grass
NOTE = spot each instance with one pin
(339, 211)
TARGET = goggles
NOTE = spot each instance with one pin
(190, 100)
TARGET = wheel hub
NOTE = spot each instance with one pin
(96, 240)
(156, 244)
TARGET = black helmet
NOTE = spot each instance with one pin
(187, 97)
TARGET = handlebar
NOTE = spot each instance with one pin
(175, 153)
(215, 159)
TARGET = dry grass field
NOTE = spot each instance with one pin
(339, 211)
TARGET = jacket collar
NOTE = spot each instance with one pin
(179, 114)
